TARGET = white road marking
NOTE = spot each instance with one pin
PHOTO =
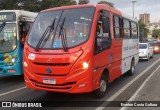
(126, 86)
(9, 92)
(141, 87)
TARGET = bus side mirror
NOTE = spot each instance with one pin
(105, 25)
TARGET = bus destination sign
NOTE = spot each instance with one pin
(7, 16)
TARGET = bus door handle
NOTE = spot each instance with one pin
(95, 68)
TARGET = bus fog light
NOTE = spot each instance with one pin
(85, 65)
(25, 64)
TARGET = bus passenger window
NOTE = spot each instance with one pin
(127, 30)
(134, 30)
(118, 32)
(103, 38)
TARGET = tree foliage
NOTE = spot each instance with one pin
(105, 2)
(156, 33)
(34, 5)
(56, 3)
(83, 1)
(142, 28)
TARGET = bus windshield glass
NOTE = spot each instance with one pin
(8, 37)
(74, 24)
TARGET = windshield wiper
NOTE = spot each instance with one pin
(62, 33)
(2, 26)
(49, 29)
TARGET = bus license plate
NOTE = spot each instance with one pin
(49, 81)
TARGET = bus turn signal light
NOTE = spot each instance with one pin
(25, 64)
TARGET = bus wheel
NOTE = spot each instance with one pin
(100, 92)
(132, 69)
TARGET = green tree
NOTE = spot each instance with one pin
(8, 4)
(143, 31)
(83, 1)
(56, 3)
(105, 2)
(34, 5)
(156, 33)
(73, 2)
(142, 28)
(19, 4)
(30, 5)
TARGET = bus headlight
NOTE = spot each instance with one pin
(85, 65)
(13, 60)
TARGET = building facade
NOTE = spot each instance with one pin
(145, 18)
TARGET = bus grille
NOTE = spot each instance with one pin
(52, 64)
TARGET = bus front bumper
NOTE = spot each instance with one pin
(64, 84)
(11, 70)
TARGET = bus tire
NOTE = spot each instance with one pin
(101, 91)
(132, 69)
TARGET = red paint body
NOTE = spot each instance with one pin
(67, 66)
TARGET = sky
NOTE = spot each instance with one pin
(151, 7)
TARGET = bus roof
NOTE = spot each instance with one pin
(69, 7)
(128, 17)
(25, 13)
(22, 13)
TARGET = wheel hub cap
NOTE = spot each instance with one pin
(103, 86)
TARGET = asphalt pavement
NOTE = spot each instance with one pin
(148, 92)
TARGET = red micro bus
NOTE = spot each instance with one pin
(81, 48)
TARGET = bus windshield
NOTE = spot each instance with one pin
(8, 37)
(76, 28)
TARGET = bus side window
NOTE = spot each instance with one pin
(127, 30)
(103, 38)
(134, 32)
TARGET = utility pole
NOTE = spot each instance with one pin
(133, 7)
